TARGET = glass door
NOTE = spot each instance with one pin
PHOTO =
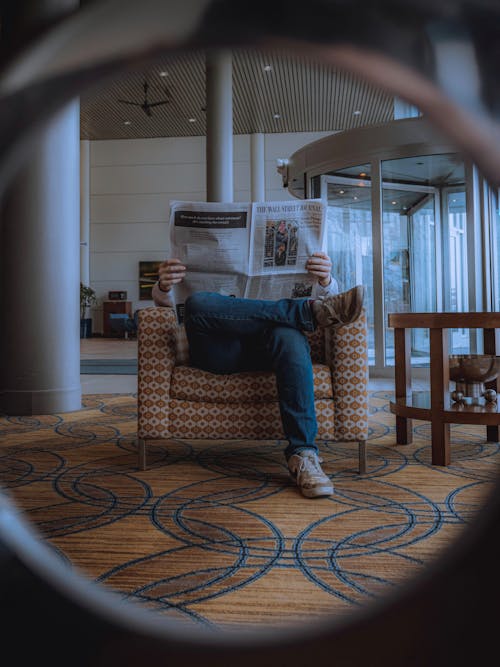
(423, 278)
(457, 289)
(408, 246)
(409, 216)
(349, 237)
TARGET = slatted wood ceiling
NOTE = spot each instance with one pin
(306, 95)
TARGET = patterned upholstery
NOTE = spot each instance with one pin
(176, 400)
(192, 384)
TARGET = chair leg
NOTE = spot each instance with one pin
(362, 456)
(141, 453)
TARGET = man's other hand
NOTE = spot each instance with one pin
(170, 272)
(320, 265)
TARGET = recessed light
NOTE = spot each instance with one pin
(276, 116)
(163, 73)
(394, 203)
(356, 113)
(127, 122)
(341, 192)
(355, 198)
(267, 68)
(192, 120)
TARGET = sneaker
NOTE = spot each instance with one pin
(305, 469)
(339, 309)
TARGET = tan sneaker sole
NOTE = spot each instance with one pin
(317, 491)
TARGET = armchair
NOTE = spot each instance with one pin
(176, 400)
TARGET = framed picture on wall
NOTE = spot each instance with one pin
(148, 275)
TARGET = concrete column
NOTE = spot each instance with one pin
(219, 83)
(257, 167)
(39, 275)
(85, 212)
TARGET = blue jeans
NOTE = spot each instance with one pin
(230, 335)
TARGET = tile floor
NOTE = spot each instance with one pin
(108, 348)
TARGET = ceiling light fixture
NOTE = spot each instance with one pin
(127, 122)
(362, 174)
(267, 68)
(356, 113)
(192, 120)
(276, 116)
(163, 73)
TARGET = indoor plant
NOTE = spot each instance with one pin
(87, 298)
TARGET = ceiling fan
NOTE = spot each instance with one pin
(145, 105)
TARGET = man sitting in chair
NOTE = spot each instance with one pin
(231, 335)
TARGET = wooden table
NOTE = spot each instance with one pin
(436, 406)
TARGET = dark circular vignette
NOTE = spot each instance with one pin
(441, 617)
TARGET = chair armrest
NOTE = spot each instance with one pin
(347, 355)
(156, 353)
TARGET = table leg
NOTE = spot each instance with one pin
(404, 430)
(402, 378)
(440, 443)
(492, 346)
(440, 391)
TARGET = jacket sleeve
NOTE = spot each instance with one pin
(162, 298)
(319, 292)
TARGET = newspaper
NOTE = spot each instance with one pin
(254, 250)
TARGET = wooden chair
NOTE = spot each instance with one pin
(176, 400)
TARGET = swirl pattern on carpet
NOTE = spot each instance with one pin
(215, 533)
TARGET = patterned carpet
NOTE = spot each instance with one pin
(216, 534)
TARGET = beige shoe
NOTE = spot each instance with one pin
(339, 309)
(305, 469)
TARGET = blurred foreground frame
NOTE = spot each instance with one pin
(440, 56)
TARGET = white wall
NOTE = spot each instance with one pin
(131, 185)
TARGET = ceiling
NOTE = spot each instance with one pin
(272, 92)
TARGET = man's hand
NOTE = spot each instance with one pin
(320, 265)
(170, 272)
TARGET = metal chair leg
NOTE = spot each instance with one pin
(362, 456)
(141, 453)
